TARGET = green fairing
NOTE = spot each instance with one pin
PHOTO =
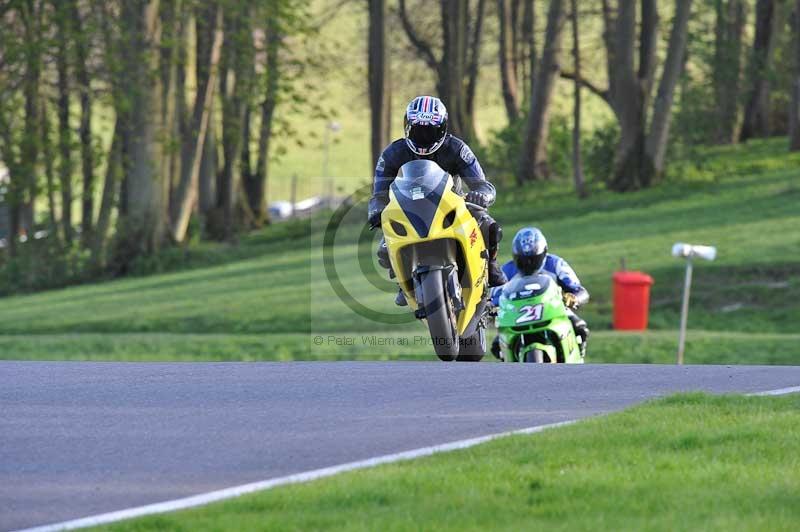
(532, 316)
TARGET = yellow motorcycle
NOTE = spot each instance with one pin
(438, 254)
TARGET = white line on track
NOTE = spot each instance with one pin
(237, 491)
(780, 391)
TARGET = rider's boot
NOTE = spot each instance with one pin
(495, 349)
(584, 336)
(400, 298)
(581, 329)
(496, 275)
(492, 235)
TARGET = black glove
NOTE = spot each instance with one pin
(374, 218)
(477, 198)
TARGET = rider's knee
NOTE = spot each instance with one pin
(496, 234)
(493, 233)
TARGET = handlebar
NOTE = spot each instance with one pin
(475, 206)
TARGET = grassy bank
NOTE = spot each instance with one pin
(688, 462)
(269, 296)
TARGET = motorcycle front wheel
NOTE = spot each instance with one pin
(473, 348)
(440, 316)
(536, 356)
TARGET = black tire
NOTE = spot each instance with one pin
(535, 356)
(473, 348)
(440, 316)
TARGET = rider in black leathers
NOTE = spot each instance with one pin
(426, 137)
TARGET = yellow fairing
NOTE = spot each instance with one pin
(463, 230)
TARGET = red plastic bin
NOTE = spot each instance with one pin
(631, 300)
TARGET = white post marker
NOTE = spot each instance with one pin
(688, 252)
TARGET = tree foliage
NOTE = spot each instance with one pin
(128, 126)
(156, 70)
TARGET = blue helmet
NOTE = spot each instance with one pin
(529, 249)
(425, 124)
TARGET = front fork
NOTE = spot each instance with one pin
(451, 284)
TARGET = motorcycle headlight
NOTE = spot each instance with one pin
(399, 228)
(449, 219)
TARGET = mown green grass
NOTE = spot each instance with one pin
(267, 297)
(686, 462)
(653, 347)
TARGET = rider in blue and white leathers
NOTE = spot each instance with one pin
(529, 250)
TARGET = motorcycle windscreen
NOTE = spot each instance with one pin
(419, 189)
(523, 287)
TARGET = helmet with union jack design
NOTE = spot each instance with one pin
(529, 250)
(425, 124)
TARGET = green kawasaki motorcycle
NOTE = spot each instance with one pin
(533, 323)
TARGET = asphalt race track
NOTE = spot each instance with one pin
(78, 439)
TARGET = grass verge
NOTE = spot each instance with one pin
(267, 296)
(686, 462)
(652, 347)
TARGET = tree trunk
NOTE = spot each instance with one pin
(533, 161)
(25, 190)
(9, 218)
(170, 45)
(727, 73)
(49, 171)
(257, 188)
(508, 78)
(648, 43)
(205, 30)
(453, 68)
(528, 36)
(110, 188)
(85, 131)
(378, 78)
(756, 115)
(515, 29)
(577, 163)
(457, 70)
(208, 170)
(14, 212)
(794, 109)
(473, 63)
(656, 144)
(234, 85)
(245, 160)
(639, 157)
(627, 100)
(609, 28)
(142, 226)
(181, 128)
(64, 129)
(194, 145)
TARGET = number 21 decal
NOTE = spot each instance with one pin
(530, 313)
